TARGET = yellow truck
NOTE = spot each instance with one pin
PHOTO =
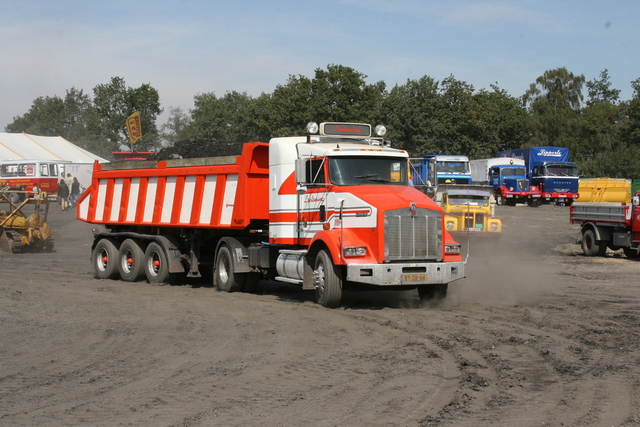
(472, 211)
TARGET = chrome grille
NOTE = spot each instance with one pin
(412, 237)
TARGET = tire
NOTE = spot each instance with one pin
(105, 259)
(224, 278)
(156, 264)
(591, 246)
(433, 292)
(131, 260)
(500, 201)
(15, 198)
(631, 253)
(533, 203)
(327, 281)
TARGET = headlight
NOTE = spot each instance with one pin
(494, 227)
(450, 225)
(451, 249)
(355, 251)
(380, 130)
(312, 127)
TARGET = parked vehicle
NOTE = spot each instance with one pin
(18, 177)
(470, 211)
(549, 169)
(23, 227)
(608, 225)
(508, 179)
(433, 174)
(604, 190)
(329, 212)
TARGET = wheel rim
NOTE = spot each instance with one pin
(223, 269)
(320, 280)
(588, 241)
(154, 264)
(127, 261)
(102, 259)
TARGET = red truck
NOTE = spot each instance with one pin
(329, 212)
(608, 225)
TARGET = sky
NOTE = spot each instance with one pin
(183, 48)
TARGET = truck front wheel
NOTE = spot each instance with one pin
(224, 278)
(590, 245)
(327, 281)
(105, 259)
(500, 200)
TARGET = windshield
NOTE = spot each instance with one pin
(561, 170)
(513, 171)
(452, 167)
(469, 200)
(368, 170)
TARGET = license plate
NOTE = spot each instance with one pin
(415, 277)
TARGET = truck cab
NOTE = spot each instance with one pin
(512, 186)
(556, 180)
(470, 211)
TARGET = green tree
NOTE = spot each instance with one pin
(114, 102)
(554, 103)
(177, 126)
(225, 118)
(411, 114)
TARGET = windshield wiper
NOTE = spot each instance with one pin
(370, 177)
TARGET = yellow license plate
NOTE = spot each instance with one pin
(415, 277)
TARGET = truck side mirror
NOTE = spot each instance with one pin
(301, 171)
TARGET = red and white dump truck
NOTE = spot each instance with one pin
(330, 211)
(608, 225)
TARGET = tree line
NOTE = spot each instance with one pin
(423, 116)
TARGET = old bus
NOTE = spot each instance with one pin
(23, 175)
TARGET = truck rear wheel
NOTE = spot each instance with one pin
(224, 278)
(104, 259)
(131, 260)
(327, 281)
(590, 245)
(156, 264)
(429, 292)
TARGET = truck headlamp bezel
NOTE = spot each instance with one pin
(452, 249)
(353, 251)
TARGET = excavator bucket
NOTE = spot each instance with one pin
(4, 243)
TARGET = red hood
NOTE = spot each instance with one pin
(387, 197)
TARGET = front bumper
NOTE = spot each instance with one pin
(399, 274)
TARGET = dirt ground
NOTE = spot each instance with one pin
(536, 335)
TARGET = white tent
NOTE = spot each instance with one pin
(20, 146)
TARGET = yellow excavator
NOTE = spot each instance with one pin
(22, 232)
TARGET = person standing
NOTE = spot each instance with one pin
(75, 191)
(63, 193)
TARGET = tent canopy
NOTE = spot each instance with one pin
(21, 146)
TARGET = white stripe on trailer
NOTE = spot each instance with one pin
(169, 195)
(207, 199)
(102, 194)
(132, 204)
(116, 199)
(187, 199)
(229, 199)
(150, 200)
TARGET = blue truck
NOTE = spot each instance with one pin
(549, 169)
(436, 169)
(508, 179)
